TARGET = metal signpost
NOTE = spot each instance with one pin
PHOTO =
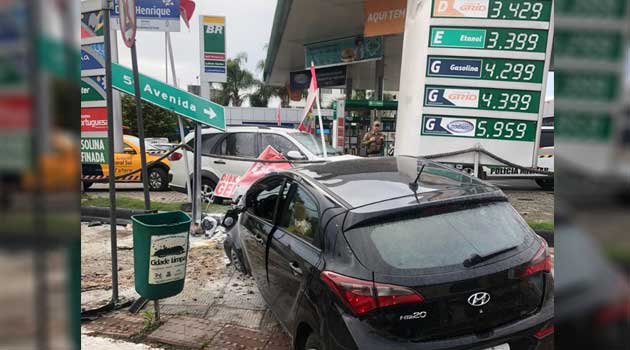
(474, 76)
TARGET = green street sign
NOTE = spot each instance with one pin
(524, 101)
(498, 69)
(94, 150)
(479, 128)
(503, 39)
(168, 97)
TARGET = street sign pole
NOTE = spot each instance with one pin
(143, 155)
(182, 135)
(196, 206)
(110, 153)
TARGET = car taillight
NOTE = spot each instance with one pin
(175, 156)
(364, 296)
(545, 331)
(540, 262)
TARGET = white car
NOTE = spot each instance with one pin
(233, 152)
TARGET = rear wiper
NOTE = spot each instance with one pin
(477, 259)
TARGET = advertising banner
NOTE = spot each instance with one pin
(384, 17)
(94, 150)
(152, 15)
(326, 77)
(343, 51)
(93, 56)
(213, 54)
(92, 25)
(260, 169)
(93, 119)
(93, 89)
(227, 186)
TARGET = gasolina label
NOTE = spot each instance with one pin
(454, 67)
(167, 259)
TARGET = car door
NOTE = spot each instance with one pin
(293, 252)
(128, 160)
(256, 224)
(236, 145)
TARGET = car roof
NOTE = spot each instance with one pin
(250, 128)
(366, 181)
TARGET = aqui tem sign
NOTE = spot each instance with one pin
(168, 97)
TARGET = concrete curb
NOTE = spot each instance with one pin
(103, 212)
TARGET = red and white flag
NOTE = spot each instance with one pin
(310, 99)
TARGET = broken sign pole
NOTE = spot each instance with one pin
(143, 155)
(110, 153)
(196, 205)
(182, 135)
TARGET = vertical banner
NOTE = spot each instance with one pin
(213, 53)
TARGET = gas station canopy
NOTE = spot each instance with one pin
(297, 23)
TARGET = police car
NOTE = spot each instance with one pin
(545, 163)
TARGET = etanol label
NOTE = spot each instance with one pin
(458, 37)
(167, 259)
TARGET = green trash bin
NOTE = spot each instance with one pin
(160, 252)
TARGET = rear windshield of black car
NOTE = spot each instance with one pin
(442, 240)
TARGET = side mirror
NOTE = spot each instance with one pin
(294, 155)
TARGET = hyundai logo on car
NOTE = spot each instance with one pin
(479, 299)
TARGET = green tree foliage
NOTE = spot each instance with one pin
(158, 122)
(239, 80)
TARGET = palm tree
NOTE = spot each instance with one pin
(239, 79)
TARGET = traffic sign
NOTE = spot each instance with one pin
(171, 98)
(127, 19)
(152, 15)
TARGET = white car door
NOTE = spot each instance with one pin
(234, 145)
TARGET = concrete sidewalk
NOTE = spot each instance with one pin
(219, 308)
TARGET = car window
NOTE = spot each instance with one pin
(242, 144)
(299, 215)
(261, 198)
(279, 143)
(208, 141)
(546, 138)
(446, 238)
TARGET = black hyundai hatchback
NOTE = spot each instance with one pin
(395, 253)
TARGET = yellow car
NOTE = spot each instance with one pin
(128, 161)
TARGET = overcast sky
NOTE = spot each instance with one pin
(248, 29)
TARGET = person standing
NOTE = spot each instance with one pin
(374, 140)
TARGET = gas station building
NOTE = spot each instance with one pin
(369, 86)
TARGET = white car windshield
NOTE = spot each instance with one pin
(313, 144)
(136, 141)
